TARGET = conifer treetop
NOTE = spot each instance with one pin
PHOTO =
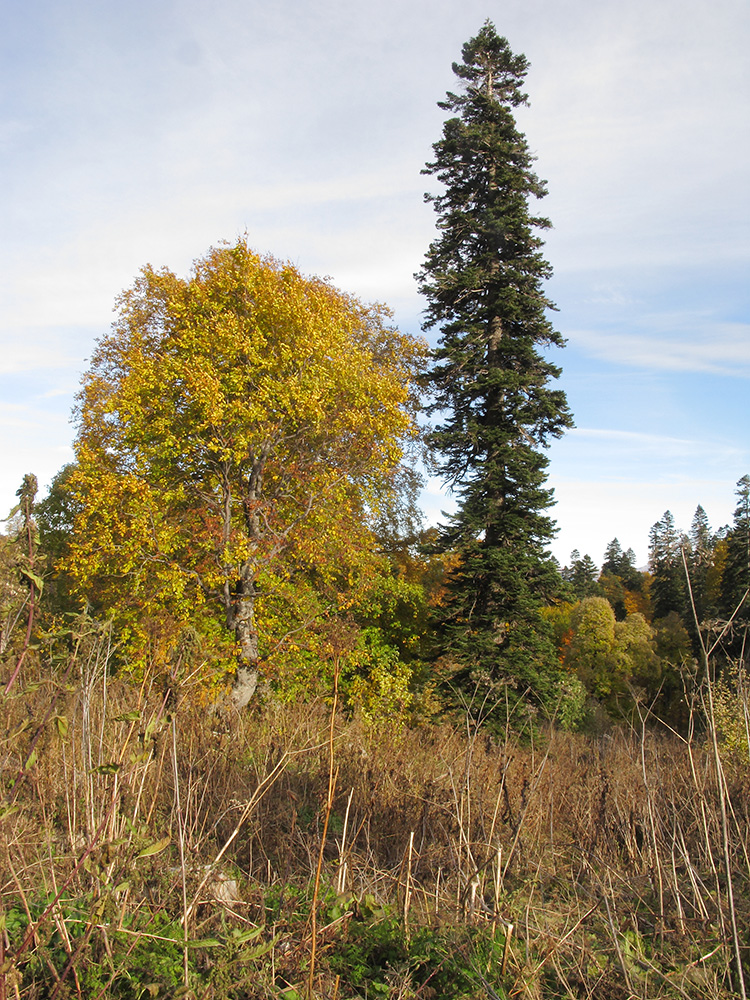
(490, 69)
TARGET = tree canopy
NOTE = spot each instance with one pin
(238, 432)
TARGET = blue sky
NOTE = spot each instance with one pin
(147, 132)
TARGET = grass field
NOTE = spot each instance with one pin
(153, 847)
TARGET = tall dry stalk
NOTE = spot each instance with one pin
(721, 785)
(27, 494)
(3, 993)
(332, 776)
(341, 876)
(407, 886)
(181, 846)
(249, 807)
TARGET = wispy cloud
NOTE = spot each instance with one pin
(621, 454)
(57, 351)
(605, 437)
(720, 348)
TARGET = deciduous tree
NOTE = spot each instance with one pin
(237, 432)
(606, 653)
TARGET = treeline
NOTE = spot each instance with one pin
(631, 634)
(627, 640)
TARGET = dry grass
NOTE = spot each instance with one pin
(607, 856)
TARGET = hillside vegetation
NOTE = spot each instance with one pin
(265, 735)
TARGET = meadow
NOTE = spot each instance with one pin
(154, 845)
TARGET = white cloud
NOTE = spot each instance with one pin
(606, 438)
(718, 347)
(621, 456)
(615, 483)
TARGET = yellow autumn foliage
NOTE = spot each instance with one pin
(241, 425)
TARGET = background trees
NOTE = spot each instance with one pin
(21, 581)
(736, 575)
(667, 570)
(621, 583)
(656, 653)
(489, 383)
(607, 654)
(238, 432)
(581, 575)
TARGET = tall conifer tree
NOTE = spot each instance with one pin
(736, 577)
(489, 383)
(665, 561)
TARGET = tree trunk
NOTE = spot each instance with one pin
(241, 619)
(239, 597)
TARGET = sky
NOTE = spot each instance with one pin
(147, 132)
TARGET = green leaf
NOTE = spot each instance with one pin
(242, 937)
(133, 716)
(33, 578)
(205, 943)
(61, 722)
(153, 727)
(106, 769)
(248, 954)
(156, 848)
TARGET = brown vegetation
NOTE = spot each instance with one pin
(598, 867)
